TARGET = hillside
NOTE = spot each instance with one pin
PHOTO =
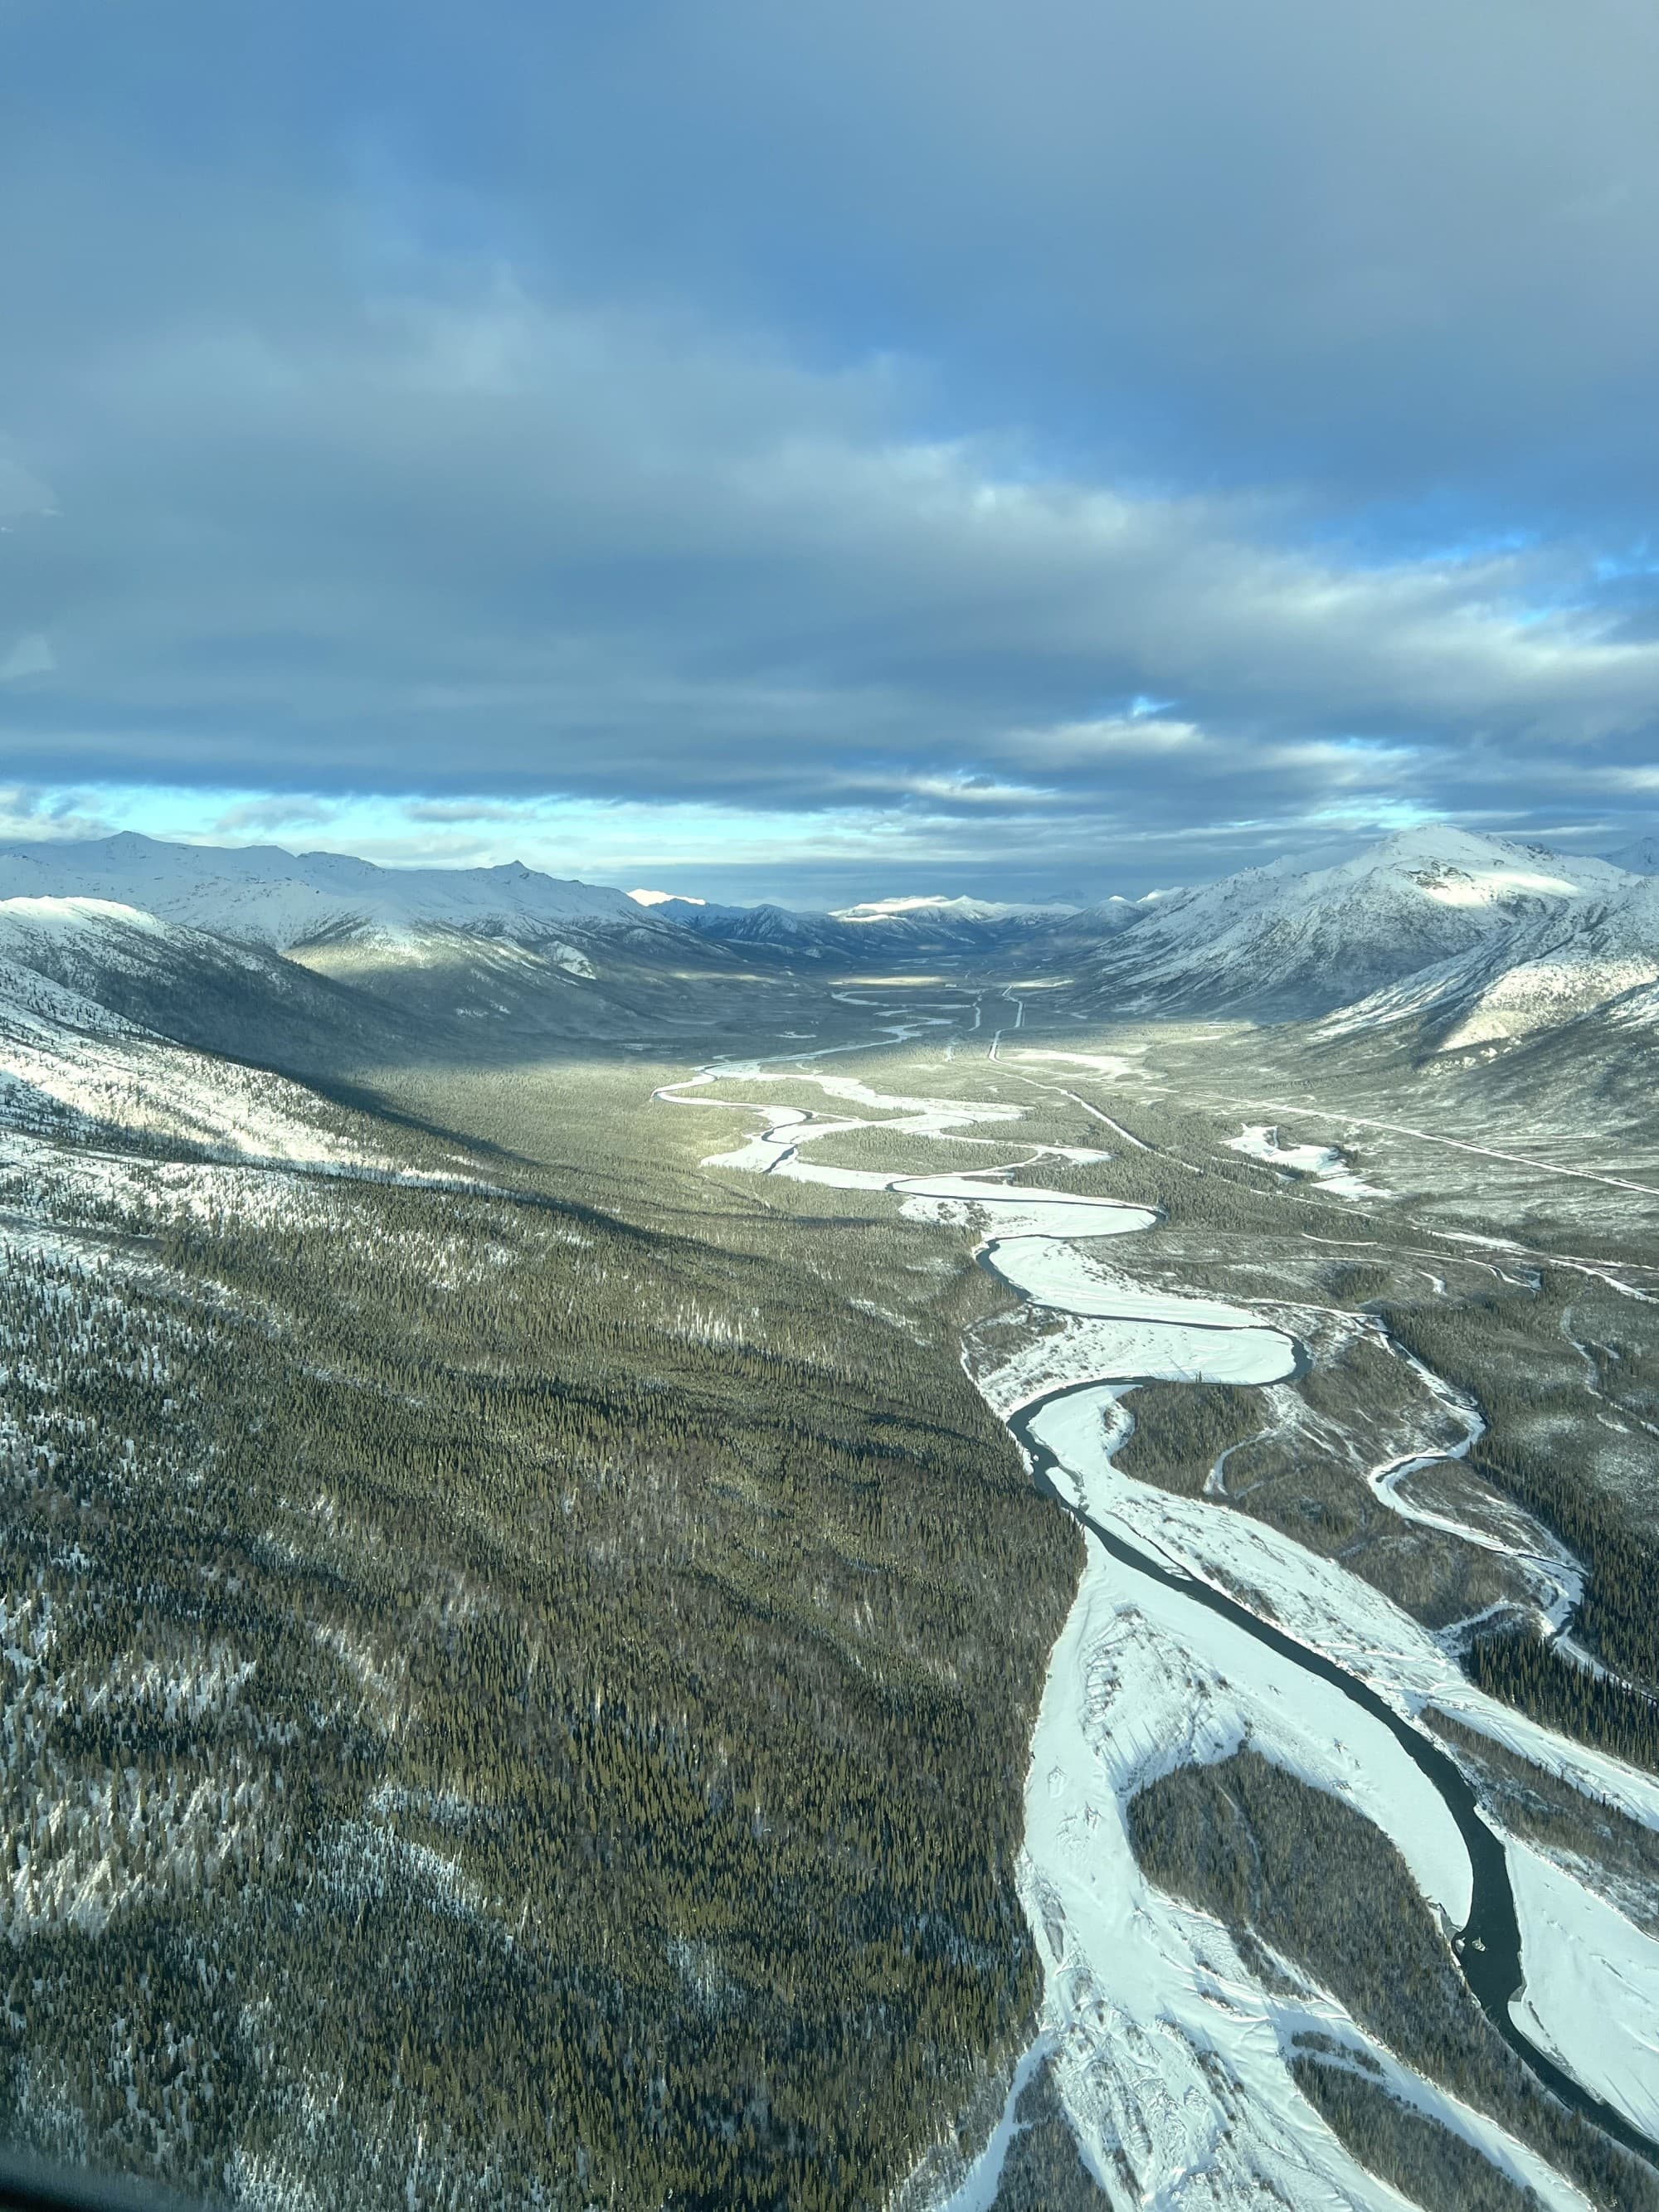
(1287, 941)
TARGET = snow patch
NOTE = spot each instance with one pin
(1592, 1997)
(1260, 1140)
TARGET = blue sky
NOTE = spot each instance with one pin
(829, 450)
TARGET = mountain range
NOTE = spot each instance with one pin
(266, 895)
(890, 927)
(1435, 943)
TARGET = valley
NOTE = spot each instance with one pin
(927, 1581)
(1108, 1995)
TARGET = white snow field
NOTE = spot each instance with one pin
(1592, 1986)
(1172, 2060)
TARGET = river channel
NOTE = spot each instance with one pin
(1165, 1328)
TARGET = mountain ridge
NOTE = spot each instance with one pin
(1287, 942)
(270, 895)
(1451, 937)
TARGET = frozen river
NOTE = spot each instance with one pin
(1172, 2058)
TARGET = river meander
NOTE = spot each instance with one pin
(1167, 2056)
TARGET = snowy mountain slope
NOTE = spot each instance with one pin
(261, 895)
(86, 944)
(37, 982)
(502, 991)
(1284, 941)
(211, 993)
(925, 927)
(890, 928)
(1637, 1011)
(437, 964)
(1640, 856)
(774, 927)
(1546, 971)
(74, 1068)
(1592, 1069)
(939, 910)
(1469, 939)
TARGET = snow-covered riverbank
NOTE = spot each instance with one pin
(1171, 2059)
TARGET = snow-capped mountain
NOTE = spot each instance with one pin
(1287, 940)
(1546, 971)
(890, 927)
(1456, 938)
(927, 908)
(266, 895)
(739, 924)
(1640, 855)
(927, 925)
(322, 962)
(115, 1019)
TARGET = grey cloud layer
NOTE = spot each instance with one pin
(800, 409)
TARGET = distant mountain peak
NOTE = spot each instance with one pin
(923, 904)
(1640, 856)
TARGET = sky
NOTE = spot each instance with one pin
(829, 450)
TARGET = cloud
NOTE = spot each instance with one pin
(287, 811)
(30, 656)
(1102, 426)
(512, 541)
(30, 813)
(471, 810)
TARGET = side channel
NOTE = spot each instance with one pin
(1489, 1942)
